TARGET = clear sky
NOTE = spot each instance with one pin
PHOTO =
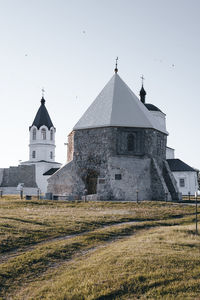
(69, 48)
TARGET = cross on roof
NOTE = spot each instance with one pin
(43, 91)
(116, 69)
(142, 77)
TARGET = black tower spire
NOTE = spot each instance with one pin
(142, 92)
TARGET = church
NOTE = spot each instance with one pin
(33, 174)
(117, 150)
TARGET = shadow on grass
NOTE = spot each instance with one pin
(25, 221)
(136, 288)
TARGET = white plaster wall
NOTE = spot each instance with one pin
(42, 152)
(41, 168)
(191, 184)
(170, 153)
(135, 176)
(160, 118)
(42, 147)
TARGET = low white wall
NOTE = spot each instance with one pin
(14, 191)
(191, 184)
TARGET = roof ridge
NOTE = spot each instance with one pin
(113, 94)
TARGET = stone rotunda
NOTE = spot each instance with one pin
(117, 150)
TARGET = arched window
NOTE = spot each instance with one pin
(34, 134)
(44, 135)
(51, 154)
(130, 142)
(51, 135)
(34, 154)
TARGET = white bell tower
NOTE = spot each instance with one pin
(42, 137)
(42, 147)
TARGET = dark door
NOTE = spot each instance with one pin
(91, 182)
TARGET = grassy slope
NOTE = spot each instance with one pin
(152, 262)
(159, 263)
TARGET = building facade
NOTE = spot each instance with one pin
(42, 147)
(117, 150)
(186, 177)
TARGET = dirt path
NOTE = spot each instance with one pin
(13, 253)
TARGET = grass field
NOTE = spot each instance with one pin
(98, 250)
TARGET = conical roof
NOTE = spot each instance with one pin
(42, 117)
(117, 105)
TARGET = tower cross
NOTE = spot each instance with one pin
(116, 69)
(43, 91)
(142, 77)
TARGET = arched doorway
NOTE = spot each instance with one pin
(91, 182)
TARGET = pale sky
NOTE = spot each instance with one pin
(69, 48)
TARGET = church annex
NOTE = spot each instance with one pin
(117, 150)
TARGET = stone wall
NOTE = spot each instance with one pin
(1, 175)
(70, 147)
(116, 168)
(20, 174)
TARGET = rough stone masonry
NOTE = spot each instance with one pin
(116, 164)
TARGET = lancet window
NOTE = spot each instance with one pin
(130, 142)
(34, 134)
(44, 134)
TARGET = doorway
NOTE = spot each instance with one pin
(91, 182)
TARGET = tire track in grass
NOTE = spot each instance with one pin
(34, 263)
(13, 277)
(20, 251)
(14, 253)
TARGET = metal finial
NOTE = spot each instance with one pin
(43, 91)
(142, 77)
(116, 69)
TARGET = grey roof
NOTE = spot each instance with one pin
(42, 117)
(117, 105)
(152, 107)
(177, 165)
(51, 171)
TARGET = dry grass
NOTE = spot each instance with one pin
(161, 263)
(146, 259)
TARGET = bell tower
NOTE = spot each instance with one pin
(42, 136)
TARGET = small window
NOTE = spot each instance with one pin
(51, 135)
(34, 134)
(118, 176)
(182, 182)
(130, 142)
(44, 136)
(34, 154)
(101, 181)
(51, 154)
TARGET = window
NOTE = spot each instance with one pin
(44, 136)
(51, 135)
(51, 154)
(101, 181)
(130, 142)
(118, 176)
(182, 182)
(34, 154)
(34, 134)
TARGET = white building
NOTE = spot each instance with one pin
(42, 147)
(185, 176)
